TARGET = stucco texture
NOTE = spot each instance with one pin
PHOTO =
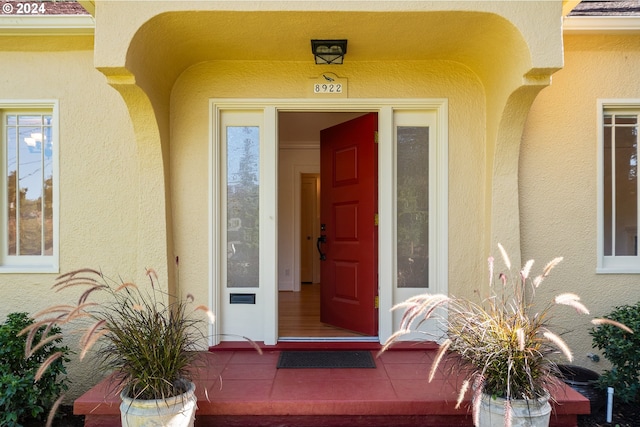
(558, 183)
(488, 58)
(419, 79)
(134, 161)
(98, 179)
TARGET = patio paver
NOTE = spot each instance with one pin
(244, 388)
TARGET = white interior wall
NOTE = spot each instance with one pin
(299, 141)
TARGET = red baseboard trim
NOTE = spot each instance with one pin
(322, 345)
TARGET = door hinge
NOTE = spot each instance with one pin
(375, 137)
(376, 302)
(375, 219)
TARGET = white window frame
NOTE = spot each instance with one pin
(437, 211)
(612, 264)
(30, 264)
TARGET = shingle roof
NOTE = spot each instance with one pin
(607, 8)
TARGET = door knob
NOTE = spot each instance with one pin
(321, 239)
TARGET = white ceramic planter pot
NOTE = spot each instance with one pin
(178, 411)
(524, 413)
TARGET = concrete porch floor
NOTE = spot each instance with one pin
(239, 387)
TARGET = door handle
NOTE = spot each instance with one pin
(321, 239)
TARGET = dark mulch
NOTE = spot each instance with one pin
(622, 416)
(64, 418)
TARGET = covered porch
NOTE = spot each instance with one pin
(245, 388)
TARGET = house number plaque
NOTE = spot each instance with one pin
(329, 85)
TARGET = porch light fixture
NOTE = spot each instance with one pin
(329, 51)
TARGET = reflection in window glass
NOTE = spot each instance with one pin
(243, 143)
(29, 168)
(412, 195)
(620, 185)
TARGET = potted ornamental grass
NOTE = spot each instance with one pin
(144, 338)
(504, 345)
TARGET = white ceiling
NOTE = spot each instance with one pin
(304, 127)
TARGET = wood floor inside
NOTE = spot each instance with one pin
(299, 315)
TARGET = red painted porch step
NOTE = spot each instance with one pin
(242, 388)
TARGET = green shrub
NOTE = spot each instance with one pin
(622, 350)
(21, 397)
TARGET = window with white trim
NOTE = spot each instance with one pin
(618, 188)
(29, 187)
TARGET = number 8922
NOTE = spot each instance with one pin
(327, 88)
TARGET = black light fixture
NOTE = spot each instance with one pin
(329, 51)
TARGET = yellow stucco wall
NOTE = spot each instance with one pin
(511, 54)
(419, 79)
(98, 179)
(134, 162)
(558, 178)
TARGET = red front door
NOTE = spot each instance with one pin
(348, 179)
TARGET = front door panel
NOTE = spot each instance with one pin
(348, 207)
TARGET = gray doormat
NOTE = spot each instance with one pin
(326, 359)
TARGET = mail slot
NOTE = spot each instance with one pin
(242, 298)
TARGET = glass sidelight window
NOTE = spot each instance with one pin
(419, 160)
(243, 185)
(412, 201)
(243, 242)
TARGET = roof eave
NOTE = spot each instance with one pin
(44, 25)
(601, 24)
(85, 25)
